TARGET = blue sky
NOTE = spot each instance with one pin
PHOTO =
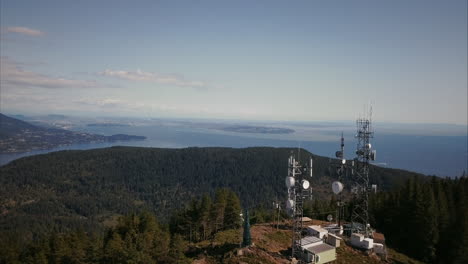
(262, 60)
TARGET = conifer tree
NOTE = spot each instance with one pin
(114, 249)
(177, 250)
(34, 254)
(205, 207)
(246, 238)
(232, 211)
(443, 220)
(217, 210)
(460, 248)
(161, 245)
(429, 225)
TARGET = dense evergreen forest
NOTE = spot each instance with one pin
(70, 189)
(50, 202)
(424, 219)
(135, 238)
(427, 220)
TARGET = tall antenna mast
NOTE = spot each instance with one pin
(341, 173)
(360, 189)
(298, 190)
(342, 167)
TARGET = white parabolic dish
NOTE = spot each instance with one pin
(290, 182)
(305, 184)
(289, 204)
(337, 187)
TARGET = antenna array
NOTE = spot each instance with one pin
(337, 186)
(360, 188)
(298, 190)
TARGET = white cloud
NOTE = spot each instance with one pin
(119, 106)
(13, 75)
(88, 102)
(141, 76)
(25, 31)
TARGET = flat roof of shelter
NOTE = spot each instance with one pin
(317, 249)
(309, 240)
(317, 228)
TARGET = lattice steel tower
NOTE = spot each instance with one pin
(360, 189)
(298, 190)
(337, 186)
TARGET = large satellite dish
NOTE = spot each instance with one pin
(337, 187)
(290, 182)
(305, 184)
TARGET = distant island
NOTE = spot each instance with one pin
(17, 136)
(258, 129)
(107, 125)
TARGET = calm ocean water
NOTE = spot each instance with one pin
(434, 155)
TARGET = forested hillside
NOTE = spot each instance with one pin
(85, 188)
(134, 238)
(205, 231)
(61, 192)
(426, 220)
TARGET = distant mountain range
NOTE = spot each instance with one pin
(19, 136)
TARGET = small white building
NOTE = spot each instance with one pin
(379, 248)
(368, 243)
(334, 228)
(333, 240)
(319, 254)
(358, 240)
(317, 231)
(309, 241)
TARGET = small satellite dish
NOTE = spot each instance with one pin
(337, 187)
(329, 218)
(343, 161)
(368, 146)
(290, 182)
(305, 184)
(289, 204)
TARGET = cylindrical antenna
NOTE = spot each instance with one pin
(311, 166)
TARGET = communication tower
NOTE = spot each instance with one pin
(337, 186)
(360, 176)
(298, 190)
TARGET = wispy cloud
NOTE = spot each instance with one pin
(120, 105)
(141, 76)
(12, 74)
(25, 31)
